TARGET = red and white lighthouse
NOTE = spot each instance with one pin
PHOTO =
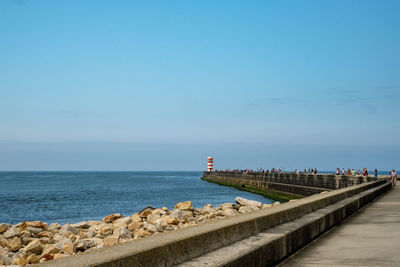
(210, 164)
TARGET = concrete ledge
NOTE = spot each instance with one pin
(176, 247)
(273, 245)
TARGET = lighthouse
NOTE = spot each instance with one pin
(210, 164)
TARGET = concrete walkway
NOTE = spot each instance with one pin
(370, 237)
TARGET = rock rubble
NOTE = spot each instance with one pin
(32, 242)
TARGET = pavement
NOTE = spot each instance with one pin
(370, 237)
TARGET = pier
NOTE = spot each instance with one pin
(270, 236)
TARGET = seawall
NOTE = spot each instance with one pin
(282, 229)
(302, 184)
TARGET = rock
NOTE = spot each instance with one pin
(82, 235)
(276, 203)
(163, 221)
(141, 233)
(68, 228)
(187, 215)
(159, 212)
(324, 192)
(150, 227)
(33, 230)
(93, 242)
(151, 218)
(11, 232)
(58, 237)
(134, 226)
(22, 261)
(136, 218)
(91, 233)
(177, 213)
(266, 206)
(246, 202)
(3, 242)
(159, 225)
(85, 244)
(112, 217)
(124, 220)
(50, 249)
(225, 206)
(293, 200)
(210, 216)
(34, 247)
(34, 224)
(81, 225)
(208, 208)
(110, 241)
(187, 205)
(146, 212)
(61, 243)
(107, 229)
(122, 232)
(229, 212)
(172, 220)
(54, 226)
(5, 260)
(14, 244)
(245, 209)
(68, 248)
(59, 256)
(4, 227)
(33, 259)
(27, 240)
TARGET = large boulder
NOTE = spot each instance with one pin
(177, 213)
(50, 249)
(68, 228)
(112, 217)
(34, 224)
(14, 244)
(122, 232)
(151, 218)
(111, 241)
(11, 232)
(245, 209)
(135, 226)
(246, 202)
(229, 212)
(59, 245)
(4, 227)
(68, 248)
(33, 259)
(225, 206)
(34, 247)
(3, 241)
(187, 205)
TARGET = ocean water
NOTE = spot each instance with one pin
(79, 196)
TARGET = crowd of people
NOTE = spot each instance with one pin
(352, 172)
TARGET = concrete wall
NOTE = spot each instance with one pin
(301, 184)
(183, 245)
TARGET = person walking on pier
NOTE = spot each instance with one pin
(394, 177)
(376, 173)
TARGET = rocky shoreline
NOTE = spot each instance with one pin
(32, 242)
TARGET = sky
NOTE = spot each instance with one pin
(161, 85)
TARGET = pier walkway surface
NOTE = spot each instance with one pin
(371, 237)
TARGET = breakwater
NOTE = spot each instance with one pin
(33, 242)
(259, 238)
(284, 185)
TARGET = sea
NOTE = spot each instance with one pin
(71, 197)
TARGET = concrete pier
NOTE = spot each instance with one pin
(371, 237)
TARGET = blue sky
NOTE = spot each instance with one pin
(97, 85)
